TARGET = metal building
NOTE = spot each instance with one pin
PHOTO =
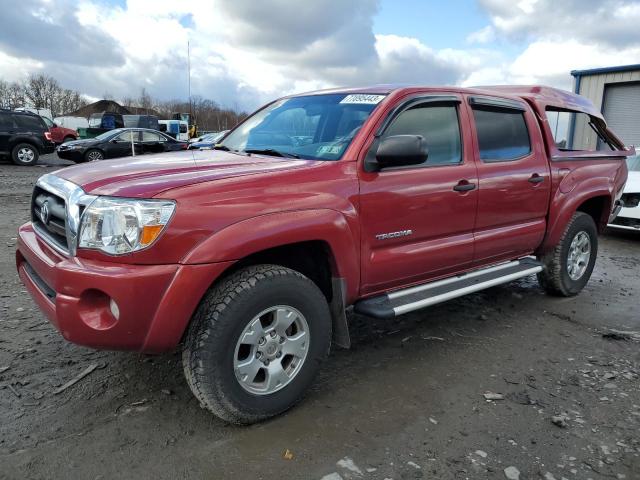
(616, 92)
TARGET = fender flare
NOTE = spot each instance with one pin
(564, 205)
(263, 232)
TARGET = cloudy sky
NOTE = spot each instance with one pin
(245, 52)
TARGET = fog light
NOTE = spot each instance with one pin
(115, 311)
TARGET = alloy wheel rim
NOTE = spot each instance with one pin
(579, 255)
(95, 156)
(26, 155)
(271, 350)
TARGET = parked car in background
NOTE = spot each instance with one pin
(59, 134)
(385, 199)
(119, 143)
(24, 136)
(207, 141)
(629, 216)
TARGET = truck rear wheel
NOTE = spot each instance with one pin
(568, 267)
(256, 343)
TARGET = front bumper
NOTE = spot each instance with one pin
(48, 147)
(73, 155)
(154, 302)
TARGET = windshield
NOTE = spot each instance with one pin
(314, 127)
(106, 135)
(633, 163)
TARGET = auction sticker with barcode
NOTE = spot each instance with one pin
(363, 98)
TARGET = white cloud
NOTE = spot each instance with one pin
(484, 35)
(245, 52)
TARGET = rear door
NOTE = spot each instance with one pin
(6, 129)
(513, 177)
(417, 221)
(152, 142)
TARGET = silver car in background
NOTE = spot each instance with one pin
(629, 216)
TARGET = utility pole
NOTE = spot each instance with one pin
(189, 69)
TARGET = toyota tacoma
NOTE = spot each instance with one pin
(381, 200)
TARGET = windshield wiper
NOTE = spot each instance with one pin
(272, 152)
(224, 148)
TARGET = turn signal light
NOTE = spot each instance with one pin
(150, 233)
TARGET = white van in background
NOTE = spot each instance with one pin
(178, 129)
(72, 122)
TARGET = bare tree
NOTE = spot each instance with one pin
(4, 94)
(15, 96)
(145, 101)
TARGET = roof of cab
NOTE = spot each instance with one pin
(537, 94)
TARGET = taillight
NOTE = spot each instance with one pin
(47, 135)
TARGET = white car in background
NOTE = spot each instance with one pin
(629, 216)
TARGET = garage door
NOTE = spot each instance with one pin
(622, 111)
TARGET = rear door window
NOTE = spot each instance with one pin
(29, 123)
(6, 122)
(502, 134)
(151, 137)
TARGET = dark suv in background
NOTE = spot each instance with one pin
(24, 137)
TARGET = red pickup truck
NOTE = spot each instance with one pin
(384, 200)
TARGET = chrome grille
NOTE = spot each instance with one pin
(48, 215)
(56, 208)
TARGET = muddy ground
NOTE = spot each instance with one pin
(406, 402)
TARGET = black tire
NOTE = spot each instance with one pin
(68, 139)
(555, 277)
(91, 153)
(224, 313)
(25, 154)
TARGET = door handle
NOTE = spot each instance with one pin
(464, 186)
(536, 178)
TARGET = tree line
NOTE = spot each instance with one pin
(40, 91)
(43, 91)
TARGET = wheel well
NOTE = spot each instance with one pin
(313, 259)
(20, 142)
(598, 208)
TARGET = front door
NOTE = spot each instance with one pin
(417, 221)
(121, 145)
(514, 179)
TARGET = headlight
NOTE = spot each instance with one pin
(118, 226)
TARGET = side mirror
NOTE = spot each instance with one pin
(402, 150)
(55, 125)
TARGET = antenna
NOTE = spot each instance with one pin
(189, 69)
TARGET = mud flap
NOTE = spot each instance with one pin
(338, 314)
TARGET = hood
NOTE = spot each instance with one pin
(633, 183)
(148, 175)
(84, 142)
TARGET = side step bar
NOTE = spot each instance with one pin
(399, 302)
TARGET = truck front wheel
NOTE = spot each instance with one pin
(256, 343)
(568, 267)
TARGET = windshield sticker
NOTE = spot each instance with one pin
(329, 149)
(363, 98)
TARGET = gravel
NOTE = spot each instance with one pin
(370, 414)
